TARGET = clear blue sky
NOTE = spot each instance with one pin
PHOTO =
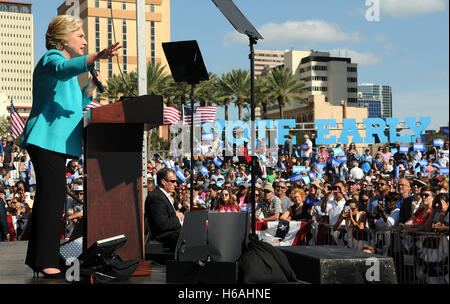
(407, 48)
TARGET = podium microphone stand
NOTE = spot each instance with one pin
(186, 64)
(243, 26)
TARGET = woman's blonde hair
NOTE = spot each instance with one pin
(60, 28)
(300, 192)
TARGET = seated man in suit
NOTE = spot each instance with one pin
(164, 221)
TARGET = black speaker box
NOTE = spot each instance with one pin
(337, 265)
(188, 272)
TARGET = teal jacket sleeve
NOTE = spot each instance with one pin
(62, 69)
(86, 99)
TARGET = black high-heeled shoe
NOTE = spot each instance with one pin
(37, 271)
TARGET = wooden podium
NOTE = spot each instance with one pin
(113, 188)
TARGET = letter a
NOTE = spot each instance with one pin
(373, 10)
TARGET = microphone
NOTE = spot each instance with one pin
(96, 81)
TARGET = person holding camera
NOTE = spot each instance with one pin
(332, 204)
(389, 212)
(438, 221)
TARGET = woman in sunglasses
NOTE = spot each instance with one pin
(227, 202)
(417, 221)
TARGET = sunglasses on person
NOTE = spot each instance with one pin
(171, 180)
(281, 187)
(381, 184)
(425, 195)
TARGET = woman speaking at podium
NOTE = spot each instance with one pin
(54, 132)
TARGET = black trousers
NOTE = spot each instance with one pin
(46, 223)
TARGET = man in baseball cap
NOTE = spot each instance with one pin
(269, 208)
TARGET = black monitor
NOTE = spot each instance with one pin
(102, 249)
(185, 61)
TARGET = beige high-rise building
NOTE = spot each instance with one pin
(335, 78)
(110, 21)
(16, 57)
(266, 60)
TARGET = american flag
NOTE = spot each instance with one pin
(171, 115)
(201, 115)
(92, 105)
(17, 123)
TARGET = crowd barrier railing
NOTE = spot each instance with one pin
(419, 258)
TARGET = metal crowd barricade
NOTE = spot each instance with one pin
(419, 258)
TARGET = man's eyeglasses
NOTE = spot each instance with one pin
(424, 195)
(171, 180)
(382, 184)
(281, 187)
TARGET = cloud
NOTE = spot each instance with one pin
(407, 8)
(291, 32)
(443, 74)
(357, 57)
(383, 40)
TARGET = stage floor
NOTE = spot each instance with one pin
(14, 271)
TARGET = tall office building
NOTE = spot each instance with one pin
(16, 57)
(266, 60)
(110, 21)
(380, 95)
(335, 78)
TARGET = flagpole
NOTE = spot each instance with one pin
(191, 199)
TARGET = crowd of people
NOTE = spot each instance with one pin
(16, 194)
(337, 186)
(308, 178)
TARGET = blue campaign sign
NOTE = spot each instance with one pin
(445, 131)
(306, 180)
(423, 162)
(297, 169)
(438, 142)
(207, 136)
(443, 171)
(295, 178)
(394, 150)
(403, 149)
(419, 147)
(338, 151)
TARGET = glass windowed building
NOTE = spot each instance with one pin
(376, 97)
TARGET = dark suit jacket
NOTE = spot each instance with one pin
(406, 210)
(160, 214)
(4, 228)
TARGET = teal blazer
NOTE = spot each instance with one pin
(55, 122)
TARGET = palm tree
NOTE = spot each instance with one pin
(263, 97)
(283, 87)
(207, 91)
(114, 88)
(178, 92)
(157, 79)
(236, 84)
